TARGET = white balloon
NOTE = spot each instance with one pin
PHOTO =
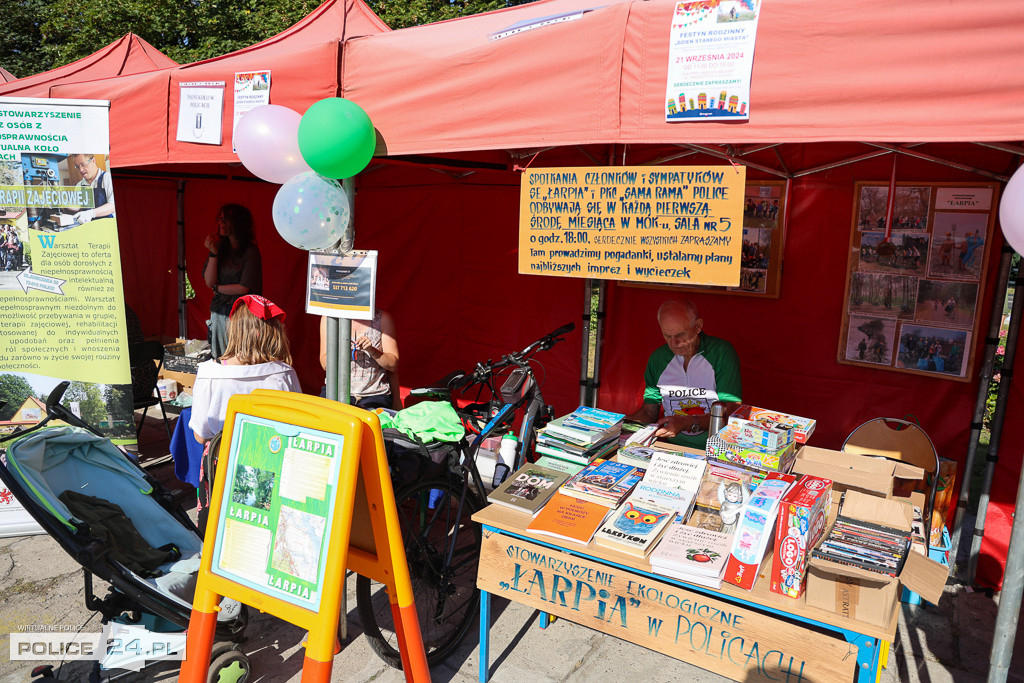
(267, 142)
(1011, 211)
(311, 212)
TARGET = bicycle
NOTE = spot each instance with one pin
(442, 543)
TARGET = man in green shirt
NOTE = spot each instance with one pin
(686, 375)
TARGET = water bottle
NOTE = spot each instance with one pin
(506, 457)
(717, 418)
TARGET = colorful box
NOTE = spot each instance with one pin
(803, 514)
(802, 427)
(755, 530)
(725, 447)
(765, 434)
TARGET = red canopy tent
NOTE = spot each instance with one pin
(834, 95)
(127, 55)
(6, 76)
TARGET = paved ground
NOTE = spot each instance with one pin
(41, 584)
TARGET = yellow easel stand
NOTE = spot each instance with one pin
(364, 535)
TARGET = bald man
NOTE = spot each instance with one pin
(686, 375)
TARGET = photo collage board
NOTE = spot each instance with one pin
(912, 302)
(764, 204)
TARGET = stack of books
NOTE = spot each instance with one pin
(568, 519)
(865, 545)
(582, 436)
(672, 480)
(692, 554)
(604, 482)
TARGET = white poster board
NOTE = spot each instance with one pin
(200, 111)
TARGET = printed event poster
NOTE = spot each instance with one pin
(252, 89)
(278, 509)
(342, 285)
(62, 314)
(200, 110)
(678, 225)
(711, 53)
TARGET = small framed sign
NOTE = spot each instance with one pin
(342, 285)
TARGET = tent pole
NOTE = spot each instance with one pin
(1006, 374)
(182, 318)
(1009, 597)
(991, 342)
(585, 393)
(602, 289)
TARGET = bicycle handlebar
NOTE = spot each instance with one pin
(483, 370)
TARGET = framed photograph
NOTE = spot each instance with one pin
(764, 208)
(955, 249)
(913, 290)
(933, 349)
(910, 211)
(870, 340)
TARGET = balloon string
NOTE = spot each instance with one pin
(891, 204)
(517, 167)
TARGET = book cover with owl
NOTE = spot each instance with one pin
(634, 527)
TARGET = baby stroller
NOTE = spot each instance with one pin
(121, 526)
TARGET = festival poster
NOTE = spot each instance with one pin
(711, 54)
(252, 89)
(62, 314)
(200, 111)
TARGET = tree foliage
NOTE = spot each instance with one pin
(14, 389)
(41, 35)
(91, 407)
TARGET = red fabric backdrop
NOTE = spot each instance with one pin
(448, 274)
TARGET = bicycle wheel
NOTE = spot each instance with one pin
(446, 596)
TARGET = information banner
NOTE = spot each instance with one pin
(711, 54)
(278, 508)
(252, 89)
(62, 313)
(342, 285)
(678, 225)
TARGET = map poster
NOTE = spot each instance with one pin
(342, 285)
(62, 313)
(200, 111)
(678, 225)
(711, 54)
(278, 508)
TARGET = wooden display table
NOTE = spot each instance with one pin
(743, 635)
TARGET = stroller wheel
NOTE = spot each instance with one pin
(229, 667)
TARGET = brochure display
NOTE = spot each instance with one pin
(302, 492)
(342, 285)
(744, 635)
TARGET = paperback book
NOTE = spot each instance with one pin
(568, 519)
(604, 481)
(563, 450)
(585, 426)
(672, 480)
(692, 554)
(528, 488)
(553, 463)
(634, 527)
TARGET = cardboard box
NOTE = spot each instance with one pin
(865, 595)
(725, 447)
(803, 517)
(755, 530)
(802, 427)
(853, 472)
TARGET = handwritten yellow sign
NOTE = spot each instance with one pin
(678, 224)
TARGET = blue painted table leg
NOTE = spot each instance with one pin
(485, 636)
(545, 619)
(868, 651)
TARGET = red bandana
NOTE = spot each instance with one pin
(259, 306)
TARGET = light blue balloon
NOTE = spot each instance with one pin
(311, 211)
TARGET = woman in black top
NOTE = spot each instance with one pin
(233, 269)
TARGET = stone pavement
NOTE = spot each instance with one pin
(41, 584)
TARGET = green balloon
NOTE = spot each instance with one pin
(336, 138)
